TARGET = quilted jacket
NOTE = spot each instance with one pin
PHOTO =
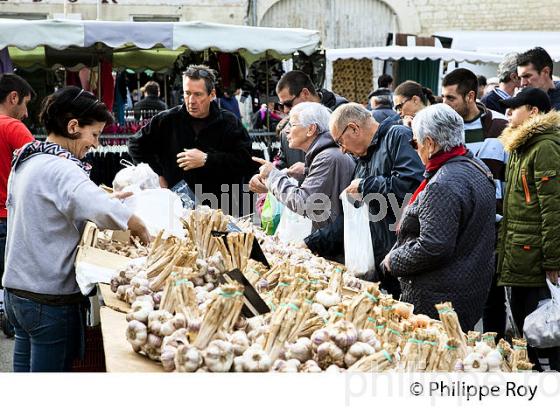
(445, 245)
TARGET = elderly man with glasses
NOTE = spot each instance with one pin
(387, 166)
(197, 142)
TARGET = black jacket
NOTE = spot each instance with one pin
(331, 100)
(224, 139)
(445, 247)
(391, 166)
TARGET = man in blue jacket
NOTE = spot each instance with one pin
(387, 165)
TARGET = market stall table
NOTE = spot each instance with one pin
(119, 356)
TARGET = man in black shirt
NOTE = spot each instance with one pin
(198, 142)
(150, 104)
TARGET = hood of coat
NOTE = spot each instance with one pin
(514, 138)
(323, 141)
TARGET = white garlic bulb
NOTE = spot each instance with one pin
(300, 350)
(320, 336)
(238, 364)
(310, 366)
(188, 359)
(167, 358)
(320, 310)
(475, 362)
(329, 353)
(219, 356)
(494, 360)
(140, 311)
(482, 348)
(327, 298)
(240, 342)
(136, 334)
(357, 351)
(255, 359)
(156, 319)
(344, 334)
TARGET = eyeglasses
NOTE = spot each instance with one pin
(199, 72)
(292, 125)
(398, 107)
(289, 103)
(414, 144)
(339, 140)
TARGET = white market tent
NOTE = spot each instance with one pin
(503, 42)
(175, 37)
(409, 53)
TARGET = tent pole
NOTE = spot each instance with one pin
(267, 93)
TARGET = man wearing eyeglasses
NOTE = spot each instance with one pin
(197, 142)
(293, 88)
(387, 165)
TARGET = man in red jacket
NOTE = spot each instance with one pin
(15, 94)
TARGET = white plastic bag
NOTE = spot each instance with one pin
(358, 249)
(293, 227)
(159, 209)
(542, 326)
(135, 177)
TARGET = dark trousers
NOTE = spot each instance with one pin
(494, 313)
(48, 338)
(524, 300)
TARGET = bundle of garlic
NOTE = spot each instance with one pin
(377, 362)
(238, 250)
(490, 338)
(222, 313)
(332, 294)
(285, 324)
(448, 356)
(200, 223)
(130, 250)
(361, 306)
(452, 326)
(184, 257)
(519, 353)
(125, 276)
(473, 337)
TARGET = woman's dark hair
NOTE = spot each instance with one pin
(72, 103)
(409, 89)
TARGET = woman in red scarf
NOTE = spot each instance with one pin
(445, 242)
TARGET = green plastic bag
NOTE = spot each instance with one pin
(271, 213)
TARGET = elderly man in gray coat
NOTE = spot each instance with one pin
(328, 170)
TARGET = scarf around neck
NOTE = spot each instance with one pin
(435, 163)
(44, 147)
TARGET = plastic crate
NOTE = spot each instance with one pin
(94, 357)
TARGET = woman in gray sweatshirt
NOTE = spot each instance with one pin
(50, 199)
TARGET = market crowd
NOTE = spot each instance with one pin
(467, 183)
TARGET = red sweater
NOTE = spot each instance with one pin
(13, 135)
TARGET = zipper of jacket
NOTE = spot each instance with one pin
(525, 186)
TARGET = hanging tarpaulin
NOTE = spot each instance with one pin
(159, 60)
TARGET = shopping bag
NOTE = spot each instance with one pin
(358, 249)
(293, 227)
(135, 177)
(270, 217)
(159, 209)
(542, 326)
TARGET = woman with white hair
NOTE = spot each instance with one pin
(445, 242)
(327, 170)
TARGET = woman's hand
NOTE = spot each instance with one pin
(552, 276)
(257, 185)
(387, 262)
(137, 228)
(121, 195)
(266, 167)
(353, 190)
